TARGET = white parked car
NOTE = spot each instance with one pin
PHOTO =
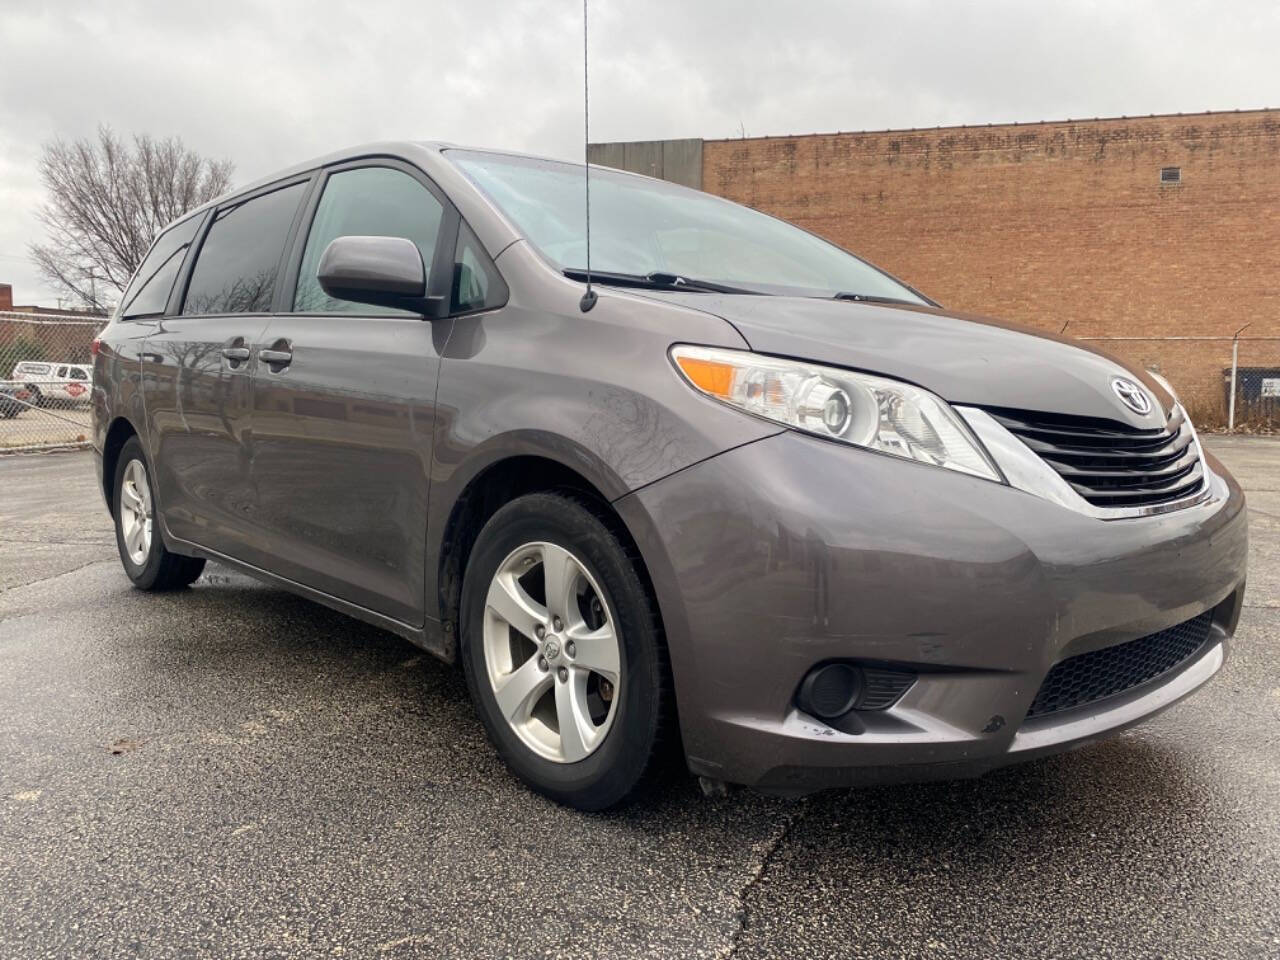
(54, 384)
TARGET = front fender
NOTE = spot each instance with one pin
(593, 392)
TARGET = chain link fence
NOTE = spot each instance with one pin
(46, 380)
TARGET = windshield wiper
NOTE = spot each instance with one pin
(657, 280)
(872, 298)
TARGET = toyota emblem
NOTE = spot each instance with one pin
(1131, 395)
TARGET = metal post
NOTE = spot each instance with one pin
(1231, 401)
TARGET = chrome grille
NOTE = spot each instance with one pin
(1111, 464)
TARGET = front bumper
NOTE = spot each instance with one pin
(789, 551)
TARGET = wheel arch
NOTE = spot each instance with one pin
(118, 434)
(498, 483)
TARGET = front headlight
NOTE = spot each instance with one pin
(872, 412)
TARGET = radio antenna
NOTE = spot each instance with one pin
(589, 298)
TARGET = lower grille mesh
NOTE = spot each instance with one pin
(1104, 673)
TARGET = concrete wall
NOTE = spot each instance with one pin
(679, 161)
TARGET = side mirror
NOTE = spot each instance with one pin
(384, 271)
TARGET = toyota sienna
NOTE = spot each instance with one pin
(737, 493)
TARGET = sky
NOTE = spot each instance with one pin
(268, 83)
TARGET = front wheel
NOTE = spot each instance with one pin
(146, 561)
(563, 653)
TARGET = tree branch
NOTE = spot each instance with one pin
(106, 201)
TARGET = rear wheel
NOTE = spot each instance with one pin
(146, 561)
(563, 653)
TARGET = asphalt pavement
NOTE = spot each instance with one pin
(230, 771)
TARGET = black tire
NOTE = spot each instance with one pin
(37, 398)
(628, 757)
(161, 569)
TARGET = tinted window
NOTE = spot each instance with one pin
(34, 368)
(78, 374)
(236, 268)
(476, 283)
(369, 202)
(149, 291)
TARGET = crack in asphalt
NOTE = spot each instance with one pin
(52, 576)
(758, 876)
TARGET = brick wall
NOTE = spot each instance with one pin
(1052, 223)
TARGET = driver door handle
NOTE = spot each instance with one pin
(236, 353)
(275, 357)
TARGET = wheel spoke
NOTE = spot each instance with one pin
(560, 573)
(133, 540)
(595, 650)
(577, 732)
(129, 495)
(521, 690)
(510, 602)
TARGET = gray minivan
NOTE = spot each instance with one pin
(745, 496)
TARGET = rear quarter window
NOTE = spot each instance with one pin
(148, 292)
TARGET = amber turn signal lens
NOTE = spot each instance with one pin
(714, 378)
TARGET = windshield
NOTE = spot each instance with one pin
(641, 226)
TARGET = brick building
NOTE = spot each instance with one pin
(1148, 227)
(29, 332)
(7, 305)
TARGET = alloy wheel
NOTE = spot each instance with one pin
(135, 512)
(552, 652)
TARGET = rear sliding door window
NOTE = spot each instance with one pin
(366, 202)
(149, 291)
(236, 268)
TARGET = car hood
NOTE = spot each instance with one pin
(964, 359)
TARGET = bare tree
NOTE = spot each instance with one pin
(107, 202)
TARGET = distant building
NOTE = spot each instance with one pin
(6, 303)
(1145, 228)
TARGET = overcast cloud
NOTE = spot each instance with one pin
(267, 83)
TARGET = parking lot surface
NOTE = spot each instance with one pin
(233, 772)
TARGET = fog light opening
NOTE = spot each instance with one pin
(843, 690)
(831, 690)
